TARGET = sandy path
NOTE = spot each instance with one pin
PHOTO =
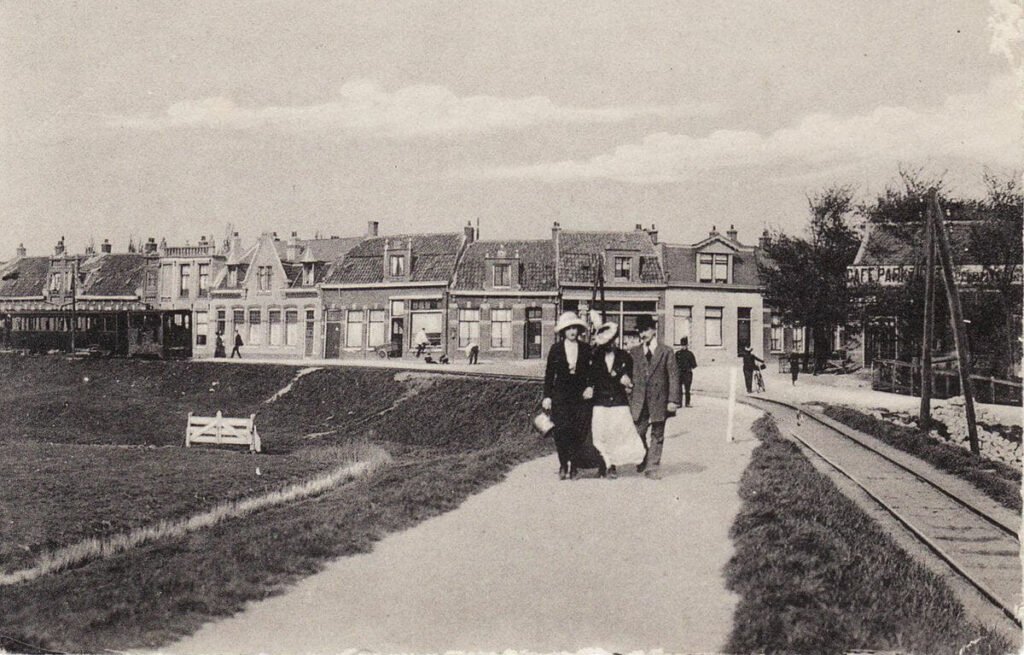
(533, 564)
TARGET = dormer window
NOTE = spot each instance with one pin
(623, 268)
(232, 276)
(714, 268)
(263, 277)
(56, 282)
(396, 264)
(307, 275)
(502, 275)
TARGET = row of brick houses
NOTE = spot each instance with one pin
(374, 295)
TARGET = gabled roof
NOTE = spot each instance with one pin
(24, 277)
(318, 250)
(536, 264)
(902, 244)
(576, 251)
(681, 264)
(110, 274)
(433, 259)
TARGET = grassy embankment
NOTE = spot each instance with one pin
(817, 575)
(98, 458)
(995, 479)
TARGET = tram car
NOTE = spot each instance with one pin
(113, 334)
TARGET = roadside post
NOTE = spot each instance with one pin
(732, 403)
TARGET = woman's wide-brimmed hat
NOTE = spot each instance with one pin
(568, 320)
(604, 331)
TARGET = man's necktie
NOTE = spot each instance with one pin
(648, 355)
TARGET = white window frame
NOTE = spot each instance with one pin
(255, 328)
(626, 268)
(375, 333)
(501, 330)
(469, 327)
(276, 331)
(354, 328)
(396, 265)
(202, 329)
(682, 315)
(507, 283)
(711, 339)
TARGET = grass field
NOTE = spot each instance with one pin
(92, 459)
(997, 480)
(816, 575)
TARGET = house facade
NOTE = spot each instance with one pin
(387, 290)
(713, 299)
(504, 298)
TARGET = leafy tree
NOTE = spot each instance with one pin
(804, 278)
(906, 200)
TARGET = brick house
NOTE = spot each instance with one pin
(505, 299)
(386, 290)
(269, 294)
(634, 278)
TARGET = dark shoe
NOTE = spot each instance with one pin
(641, 467)
(575, 474)
(612, 473)
(602, 471)
(562, 474)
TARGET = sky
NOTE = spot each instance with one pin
(174, 119)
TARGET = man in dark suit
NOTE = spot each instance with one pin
(656, 392)
(685, 363)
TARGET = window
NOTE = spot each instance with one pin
(375, 334)
(420, 305)
(622, 268)
(238, 318)
(204, 279)
(200, 328)
(714, 268)
(263, 277)
(56, 282)
(151, 283)
(221, 321)
(184, 280)
(396, 264)
(776, 338)
(291, 327)
(274, 317)
(354, 329)
(742, 328)
(501, 328)
(307, 275)
(469, 327)
(712, 326)
(397, 308)
(232, 276)
(255, 333)
(681, 319)
(798, 339)
(502, 275)
(166, 281)
(429, 322)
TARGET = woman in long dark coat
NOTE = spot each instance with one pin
(565, 379)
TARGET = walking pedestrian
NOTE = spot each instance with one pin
(565, 379)
(655, 393)
(794, 366)
(750, 361)
(685, 363)
(610, 378)
(218, 348)
(238, 344)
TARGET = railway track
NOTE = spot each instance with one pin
(980, 544)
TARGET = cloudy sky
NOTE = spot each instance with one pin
(176, 118)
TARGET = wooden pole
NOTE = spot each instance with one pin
(732, 404)
(925, 419)
(955, 317)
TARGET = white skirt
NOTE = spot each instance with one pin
(615, 436)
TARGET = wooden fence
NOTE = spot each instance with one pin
(905, 378)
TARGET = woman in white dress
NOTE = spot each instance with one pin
(609, 381)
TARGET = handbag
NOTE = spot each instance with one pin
(543, 424)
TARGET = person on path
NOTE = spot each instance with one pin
(565, 379)
(218, 349)
(655, 393)
(750, 361)
(610, 378)
(473, 351)
(794, 366)
(421, 341)
(685, 363)
(238, 345)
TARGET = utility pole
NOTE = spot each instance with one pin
(925, 419)
(74, 296)
(955, 317)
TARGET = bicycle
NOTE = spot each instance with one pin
(757, 381)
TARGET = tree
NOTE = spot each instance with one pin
(905, 200)
(804, 278)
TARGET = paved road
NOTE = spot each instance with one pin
(533, 563)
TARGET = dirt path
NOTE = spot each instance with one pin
(533, 564)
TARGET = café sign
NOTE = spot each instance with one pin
(968, 276)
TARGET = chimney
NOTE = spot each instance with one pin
(149, 248)
(470, 232)
(163, 245)
(21, 252)
(731, 232)
(292, 251)
(556, 227)
(639, 228)
(714, 231)
(372, 229)
(105, 246)
(235, 247)
(762, 242)
(58, 249)
(202, 241)
(653, 233)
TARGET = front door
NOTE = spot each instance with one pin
(332, 340)
(397, 335)
(310, 331)
(533, 333)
